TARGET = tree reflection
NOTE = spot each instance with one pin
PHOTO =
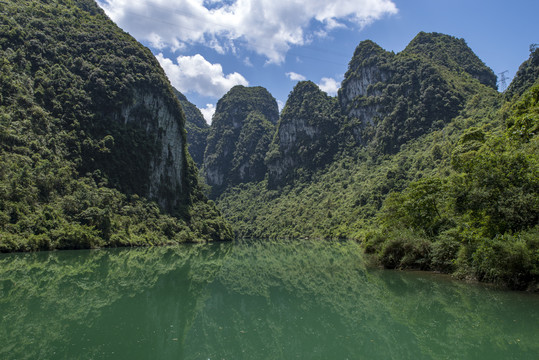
(257, 300)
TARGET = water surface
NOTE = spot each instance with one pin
(286, 300)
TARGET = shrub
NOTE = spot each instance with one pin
(505, 259)
(405, 249)
(76, 236)
(444, 253)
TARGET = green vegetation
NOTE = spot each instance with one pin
(482, 218)
(442, 185)
(75, 173)
(342, 198)
(391, 99)
(451, 53)
(418, 158)
(526, 77)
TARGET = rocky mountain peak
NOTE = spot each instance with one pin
(306, 133)
(390, 99)
(453, 53)
(241, 131)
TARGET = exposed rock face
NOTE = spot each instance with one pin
(306, 134)
(385, 100)
(197, 129)
(367, 67)
(390, 99)
(241, 131)
(125, 124)
(96, 134)
(359, 96)
(162, 122)
(134, 113)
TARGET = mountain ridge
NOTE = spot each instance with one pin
(93, 146)
(431, 167)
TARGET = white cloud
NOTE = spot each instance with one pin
(295, 76)
(196, 74)
(267, 27)
(280, 104)
(329, 85)
(247, 62)
(208, 112)
(156, 41)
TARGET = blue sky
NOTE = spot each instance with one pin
(208, 46)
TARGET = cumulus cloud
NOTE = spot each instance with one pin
(329, 85)
(295, 76)
(267, 27)
(208, 112)
(196, 74)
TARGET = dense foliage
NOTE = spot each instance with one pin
(73, 174)
(525, 78)
(482, 218)
(451, 53)
(459, 194)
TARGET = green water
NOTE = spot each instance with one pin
(258, 301)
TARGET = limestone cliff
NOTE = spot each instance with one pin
(390, 99)
(129, 106)
(369, 66)
(93, 135)
(162, 120)
(240, 134)
(197, 129)
(385, 100)
(306, 134)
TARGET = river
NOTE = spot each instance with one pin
(260, 300)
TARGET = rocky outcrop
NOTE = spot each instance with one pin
(390, 99)
(240, 134)
(367, 67)
(96, 133)
(362, 87)
(197, 129)
(162, 122)
(306, 134)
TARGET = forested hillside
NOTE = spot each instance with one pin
(93, 150)
(427, 165)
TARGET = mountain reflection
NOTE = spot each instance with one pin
(257, 300)
(124, 303)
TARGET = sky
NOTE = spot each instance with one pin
(208, 46)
